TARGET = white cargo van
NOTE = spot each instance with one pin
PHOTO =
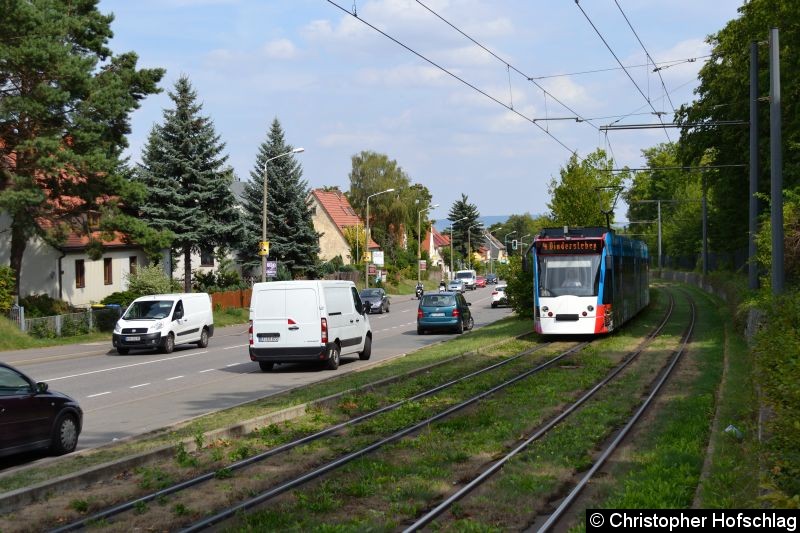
(162, 321)
(307, 320)
(469, 277)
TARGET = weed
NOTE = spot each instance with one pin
(199, 440)
(153, 478)
(140, 507)
(223, 473)
(180, 509)
(79, 505)
(184, 458)
(243, 451)
(216, 455)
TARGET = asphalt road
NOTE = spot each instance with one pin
(126, 395)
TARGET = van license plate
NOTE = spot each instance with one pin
(437, 314)
(269, 337)
(132, 339)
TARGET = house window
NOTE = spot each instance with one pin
(207, 257)
(80, 274)
(133, 264)
(93, 220)
(107, 272)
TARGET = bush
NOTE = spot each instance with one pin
(520, 286)
(6, 289)
(122, 298)
(151, 280)
(39, 305)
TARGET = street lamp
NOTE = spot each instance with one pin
(419, 239)
(520, 241)
(366, 238)
(469, 244)
(264, 213)
(451, 243)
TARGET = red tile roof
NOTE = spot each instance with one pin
(339, 210)
(439, 240)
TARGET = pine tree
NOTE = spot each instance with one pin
(63, 121)
(462, 209)
(290, 231)
(188, 183)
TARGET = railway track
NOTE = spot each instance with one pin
(136, 503)
(116, 512)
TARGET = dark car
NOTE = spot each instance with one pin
(377, 300)
(491, 278)
(34, 417)
(444, 311)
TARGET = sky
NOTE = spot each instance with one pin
(339, 87)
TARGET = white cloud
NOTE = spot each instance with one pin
(280, 49)
(403, 76)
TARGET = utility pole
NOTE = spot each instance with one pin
(752, 269)
(776, 166)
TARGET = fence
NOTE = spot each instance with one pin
(71, 324)
(228, 299)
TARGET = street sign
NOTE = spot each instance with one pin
(372, 270)
(377, 257)
(272, 269)
(423, 264)
(263, 248)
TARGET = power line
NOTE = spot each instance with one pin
(647, 54)
(635, 111)
(674, 125)
(686, 168)
(577, 3)
(473, 87)
(506, 63)
(659, 66)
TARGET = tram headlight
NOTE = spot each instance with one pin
(545, 309)
(590, 308)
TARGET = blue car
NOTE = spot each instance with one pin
(444, 311)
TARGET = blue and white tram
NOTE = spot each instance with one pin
(587, 280)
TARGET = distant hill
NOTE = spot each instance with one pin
(487, 221)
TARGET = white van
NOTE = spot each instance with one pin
(162, 321)
(469, 277)
(307, 320)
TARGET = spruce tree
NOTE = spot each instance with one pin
(460, 209)
(188, 184)
(64, 107)
(290, 231)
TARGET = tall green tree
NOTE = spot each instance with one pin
(188, 183)
(464, 215)
(390, 213)
(65, 102)
(723, 94)
(290, 232)
(585, 191)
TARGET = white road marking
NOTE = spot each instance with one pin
(126, 366)
(99, 394)
(237, 346)
(140, 385)
(405, 311)
(233, 364)
(174, 377)
(207, 370)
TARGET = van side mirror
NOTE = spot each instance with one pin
(178, 314)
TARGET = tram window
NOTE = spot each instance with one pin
(569, 275)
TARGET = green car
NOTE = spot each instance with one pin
(444, 311)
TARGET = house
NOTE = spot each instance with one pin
(433, 244)
(495, 251)
(331, 215)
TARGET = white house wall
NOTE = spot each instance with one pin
(95, 288)
(39, 262)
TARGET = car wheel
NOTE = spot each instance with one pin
(420, 331)
(470, 323)
(169, 344)
(65, 435)
(367, 349)
(380, 310)
(460, 327)
(387, 307)
(203, 342)
(266, 366)
(123, 351)
(333, 357)
(494, 304)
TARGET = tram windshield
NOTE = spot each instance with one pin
(576, 275)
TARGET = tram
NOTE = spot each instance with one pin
(587, 280)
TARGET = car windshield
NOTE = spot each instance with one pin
(371, 293)
(149, 310)
(464, 275)
(438, 300)
(456, 282)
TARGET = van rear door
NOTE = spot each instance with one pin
(286, 318)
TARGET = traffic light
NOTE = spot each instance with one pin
(514, 244)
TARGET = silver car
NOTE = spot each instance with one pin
(456, 285)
